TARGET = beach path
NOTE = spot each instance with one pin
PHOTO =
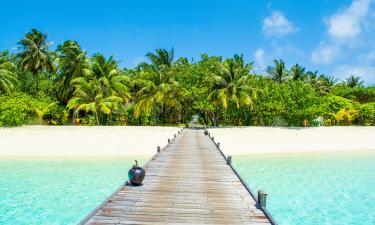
(188, 182)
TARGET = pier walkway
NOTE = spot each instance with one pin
(188, 182)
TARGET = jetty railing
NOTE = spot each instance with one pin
(94, 211)
(261, 199)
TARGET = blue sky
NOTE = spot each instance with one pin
(332, 36)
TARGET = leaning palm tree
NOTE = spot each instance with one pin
(72, 63)
(297, 72)
(89, 97)
(35, 56)
(231, 84)
(354, 81)
(278, 72)
(8, 75)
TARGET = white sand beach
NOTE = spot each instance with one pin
(246, 140)
(36, 141)
(45, 141)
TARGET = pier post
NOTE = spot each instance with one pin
(175, 135)
(169, 140)
(229, 160)
(262, 197)
(218, 145)
(158, 149)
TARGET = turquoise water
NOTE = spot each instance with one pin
(304, 189)
(316, 188)
(56, 191)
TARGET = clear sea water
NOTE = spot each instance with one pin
(57, 191)
(314, 188)
(307, 189)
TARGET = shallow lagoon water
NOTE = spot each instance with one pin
(316, 188)
(53, 191)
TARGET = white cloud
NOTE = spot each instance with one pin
(324, 54)
(259, 57)
(346, 23)
(277, 25)
(367, 73)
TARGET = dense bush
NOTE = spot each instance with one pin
(20, 108)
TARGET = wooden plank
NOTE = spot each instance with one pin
(187, 182)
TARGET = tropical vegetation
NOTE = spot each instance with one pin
(39, 85)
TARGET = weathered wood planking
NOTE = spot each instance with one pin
(188, 182)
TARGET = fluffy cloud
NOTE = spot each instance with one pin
(259, 57)
(367, 73)
(346, 23)
(324, 54)
(277, 25)
(344, 29)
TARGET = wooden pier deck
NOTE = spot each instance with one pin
(188, 182)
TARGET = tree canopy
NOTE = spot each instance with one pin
(68, 86)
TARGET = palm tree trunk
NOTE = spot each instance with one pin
(37, 83)
(97, 117)
(154, 115)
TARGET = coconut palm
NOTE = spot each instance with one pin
(297, 72)
(8, 74)
(156, 86)
(113, 80)
(72, 63)
(231, 83)
(162, 58)
(158, 89)
(34, 56)
(354, 81)
(89, 97)
(278, 72)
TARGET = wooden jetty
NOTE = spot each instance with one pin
(189, 181)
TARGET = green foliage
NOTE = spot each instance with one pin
(38, 86)
(19, 108)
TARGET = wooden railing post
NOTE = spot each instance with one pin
(158, 149)
(169, 140)
(229, 160)
(262, 198)
(175, 135)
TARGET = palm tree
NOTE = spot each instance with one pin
(298, 72)
(162, 58)
(34, 56)
(113, 80)
(89, 97)
(231, 83)
(8, 74)
(327, 81)
(157, 89)
(72, 63)
(278, 72)
(354, 81)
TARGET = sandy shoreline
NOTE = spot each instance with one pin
(244, 140)
(79, 141)
(74, 141)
